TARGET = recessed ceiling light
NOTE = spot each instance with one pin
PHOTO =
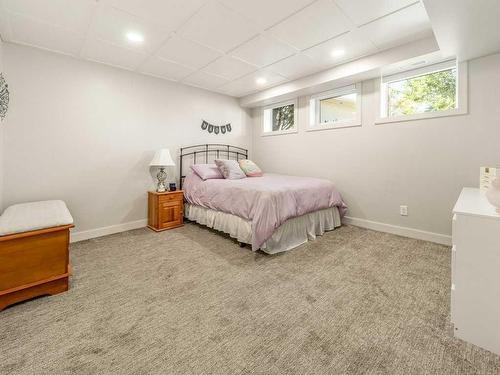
(261, 81)
(134, 37)
(338, 52)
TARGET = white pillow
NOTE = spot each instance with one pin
(230, 169)
(207, 171)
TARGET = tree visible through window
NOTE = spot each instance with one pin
(283, 117)
(426, 93)
(280, 118)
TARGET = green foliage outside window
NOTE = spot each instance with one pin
(426, 93)
(283, 118)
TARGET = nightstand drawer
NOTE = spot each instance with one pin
(175, 197)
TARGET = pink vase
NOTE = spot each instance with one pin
(493, 194)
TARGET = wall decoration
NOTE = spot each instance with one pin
(215, 129)
(4, 97)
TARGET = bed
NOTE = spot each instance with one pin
(273, 213)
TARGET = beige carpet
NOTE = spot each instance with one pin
(190, 301)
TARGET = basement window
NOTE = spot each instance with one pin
(337, 108)
(431, 91)
(280, 118)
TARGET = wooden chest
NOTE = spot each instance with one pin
(33, 264)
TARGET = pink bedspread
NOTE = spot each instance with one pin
(266, 201)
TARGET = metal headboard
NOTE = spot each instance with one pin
(207, 153)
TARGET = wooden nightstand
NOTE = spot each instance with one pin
(165, 210)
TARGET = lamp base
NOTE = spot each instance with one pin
(161, 176)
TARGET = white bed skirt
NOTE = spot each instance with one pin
(290, 234)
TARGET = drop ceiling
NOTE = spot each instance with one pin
(464, 28)
(219, 45)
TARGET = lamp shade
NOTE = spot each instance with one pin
(162, 158)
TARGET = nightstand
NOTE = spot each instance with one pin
(165, 210)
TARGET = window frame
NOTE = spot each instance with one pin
(315, 108)
(461, 92)
(270, 109)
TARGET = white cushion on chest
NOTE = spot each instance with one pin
(31, 216)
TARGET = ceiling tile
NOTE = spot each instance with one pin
(295, 66)
(39, 34)
(235, 90)
(218, 27)
(111, 25)
(266, 13)
(229, 68)
(362, 11)
(165, 69)
(249, 83)
(186, 52)
(404, 26)
(97, 50)
(354, 45)
(318, 22)
(262, 50)
(74, 15)
(205, 80)
(168, 15)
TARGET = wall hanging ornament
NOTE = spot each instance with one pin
(215, 129)
(4, 97)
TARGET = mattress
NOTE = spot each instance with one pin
(292, 233)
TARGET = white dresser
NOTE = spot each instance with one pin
(475, 271)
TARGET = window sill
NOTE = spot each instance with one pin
(270, 134)
(319, 127)
(421, 116)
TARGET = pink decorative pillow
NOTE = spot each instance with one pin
(250, 168)
(207, 171)
(230, 169)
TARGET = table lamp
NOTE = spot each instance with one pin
(162, 159)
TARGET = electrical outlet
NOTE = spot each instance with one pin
(403, 210)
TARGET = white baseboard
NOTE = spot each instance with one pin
(363, 223)
(442, 239)
(104, 231)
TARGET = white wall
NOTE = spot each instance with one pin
(422, 164)
(85, 133)
(1, 137)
